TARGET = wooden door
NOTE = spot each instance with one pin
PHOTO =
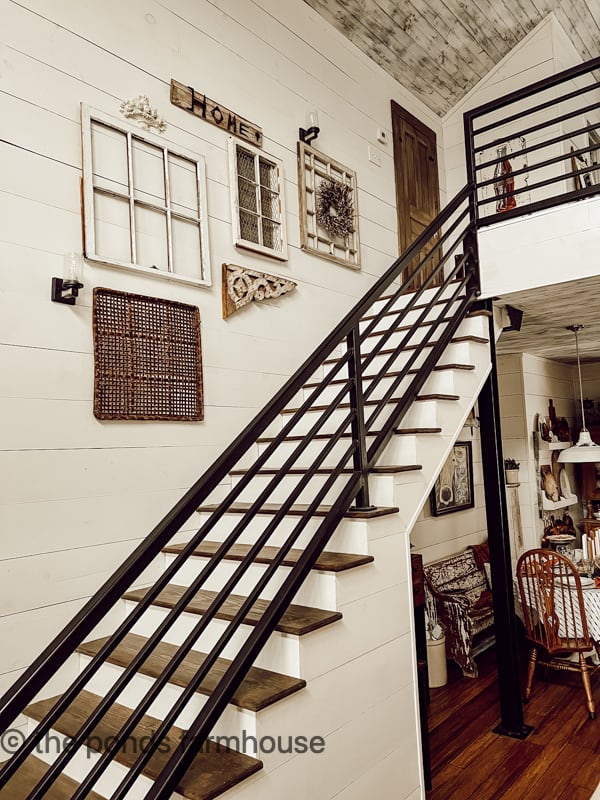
(417, 185)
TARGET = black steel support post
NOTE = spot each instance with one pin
(359, 434)
(511, 704)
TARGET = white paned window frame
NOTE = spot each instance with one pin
(258, 212)
(94, 185)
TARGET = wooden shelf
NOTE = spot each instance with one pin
(559, 445)
(550, 505)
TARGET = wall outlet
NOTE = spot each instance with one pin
(374, 156)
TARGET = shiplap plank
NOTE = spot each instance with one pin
(102, 471)
(61, 577)
(37, 528)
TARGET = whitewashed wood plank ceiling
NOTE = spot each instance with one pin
(439, 49)
(547, 311)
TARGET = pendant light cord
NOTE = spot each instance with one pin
(576, 329)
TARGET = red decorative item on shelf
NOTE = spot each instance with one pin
(504, 184)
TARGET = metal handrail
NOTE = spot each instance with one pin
(357, 454)
(482, 135)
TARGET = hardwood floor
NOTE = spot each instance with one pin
(560, 760)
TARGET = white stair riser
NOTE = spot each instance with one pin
(408, 318)
(401, 339)
(281, 654)
(83, 762)
(423, 414)
(404, 449)
(438, 381)
(471, 326)
(288, 484)
(402, 300)
(311, 452)
(318, 589)
(349, 537)
(420, 414)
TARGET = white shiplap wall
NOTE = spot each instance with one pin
(527, 383)
(439, 537)
(77, 494)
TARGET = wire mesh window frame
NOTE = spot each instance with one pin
(89, 116)
(235, 147)
(312, 165)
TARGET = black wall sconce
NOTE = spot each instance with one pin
(312, 130)
(66, 289)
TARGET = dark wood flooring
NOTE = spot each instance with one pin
(560, 760)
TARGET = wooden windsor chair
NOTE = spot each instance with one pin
(555, 618)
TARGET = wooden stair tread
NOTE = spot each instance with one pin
(259, 689)
(328, 561)
(471, 338)
(396, 431)
(437, 396)
(297, 619)
(299, 509)
(213, 771)
(419, 397)
(389, 351)
(480, 312)
(395, 374)
(413, 431)
(30, 773)
(326, 471)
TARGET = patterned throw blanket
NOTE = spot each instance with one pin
(481, 554)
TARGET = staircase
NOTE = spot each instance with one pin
(281, 614)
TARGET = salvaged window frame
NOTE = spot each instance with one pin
(114, 203)
(314, 168)
(252, 200)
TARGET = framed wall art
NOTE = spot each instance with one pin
(453, 490)
(328, 207)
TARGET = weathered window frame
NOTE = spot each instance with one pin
(93, 186)
(313, 165)
(280, 253)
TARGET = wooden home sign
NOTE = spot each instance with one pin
(202, 106)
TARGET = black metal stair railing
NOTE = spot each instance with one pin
(537, 147)
(350, 443)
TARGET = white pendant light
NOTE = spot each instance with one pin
(585, 450)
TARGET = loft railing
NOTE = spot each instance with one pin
(373, 365)
(537, 147)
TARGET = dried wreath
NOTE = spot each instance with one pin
(335, 209)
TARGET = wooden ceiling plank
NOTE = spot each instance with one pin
(428, 40)
(442, 20)
(440, 50)
(403, 44)
(500, 27)
(475, 27)
(523, 14)
(405, 65)
(585, 35)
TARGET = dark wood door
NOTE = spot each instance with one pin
(417, 185)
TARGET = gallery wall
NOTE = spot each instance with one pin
(79, 494)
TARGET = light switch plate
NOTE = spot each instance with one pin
(374, 156)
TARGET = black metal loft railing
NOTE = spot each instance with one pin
(369, 371)
(537, 147)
